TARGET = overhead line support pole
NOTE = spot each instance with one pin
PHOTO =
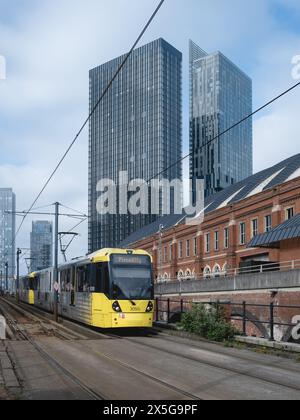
(55, 280)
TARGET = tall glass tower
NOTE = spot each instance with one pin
(7, 231)
(41, 245)
(137, 128)
(220, 96)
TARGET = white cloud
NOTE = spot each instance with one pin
(276, 130)
(277, 134)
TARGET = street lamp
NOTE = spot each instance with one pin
(160, 252)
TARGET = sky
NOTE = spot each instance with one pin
(50, 46)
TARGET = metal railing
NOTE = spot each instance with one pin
(254, 269)
(239, 312)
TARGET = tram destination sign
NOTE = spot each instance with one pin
(119, 259)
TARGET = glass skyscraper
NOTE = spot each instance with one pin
(7, 230)
(220, 96)
(41, 245)
(136, 128)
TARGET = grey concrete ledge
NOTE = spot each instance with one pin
(172, 329)
(293, 348)
(264, 281)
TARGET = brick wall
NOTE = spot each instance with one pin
(255, 314)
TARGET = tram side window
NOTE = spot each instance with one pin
(65, 280)
(62, 281)
(42, 283)
(93, 278)
(36, 283)
(33, 283)
(26, 285)
(101, 278)
(38, 286)
(48, 282)
(83, 279)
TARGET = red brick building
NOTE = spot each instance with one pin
(219, 245)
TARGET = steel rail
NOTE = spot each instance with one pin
(190, 358)
(214, 365)
(46, 356)
(119, 362)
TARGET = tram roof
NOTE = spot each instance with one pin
(98, 256)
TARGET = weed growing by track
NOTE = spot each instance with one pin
(209, 322)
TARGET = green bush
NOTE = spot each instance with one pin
(209, 322)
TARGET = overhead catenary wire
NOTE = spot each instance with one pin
(42, 207)
(217, 137)
(76, 226)
(69, 231)
(82, 220)
(71, 216)
(71, 209)
(82, 217)
(127, 56)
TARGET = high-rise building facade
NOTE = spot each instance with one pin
(137, 128)
(220, 96)
(7, 230)
(41, 245)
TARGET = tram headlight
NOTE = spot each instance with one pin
(150, 307)
(116, 307)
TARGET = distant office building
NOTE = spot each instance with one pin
(220, 96)
(136, 128)
(7, 230)
(41, 245)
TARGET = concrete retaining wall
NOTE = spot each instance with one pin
(272, 280)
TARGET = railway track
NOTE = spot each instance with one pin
(48, 326)
(245, 372)
(8, 310)
(74, 378)
(220, 366)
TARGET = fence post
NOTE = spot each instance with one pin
(218, 308)
(244, 320)
(168, 311)
(181, 306)
(157, 310)
(272, 321)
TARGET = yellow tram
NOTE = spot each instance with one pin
(111, 288)
(26, 289)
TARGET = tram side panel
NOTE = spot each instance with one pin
(43, 290)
